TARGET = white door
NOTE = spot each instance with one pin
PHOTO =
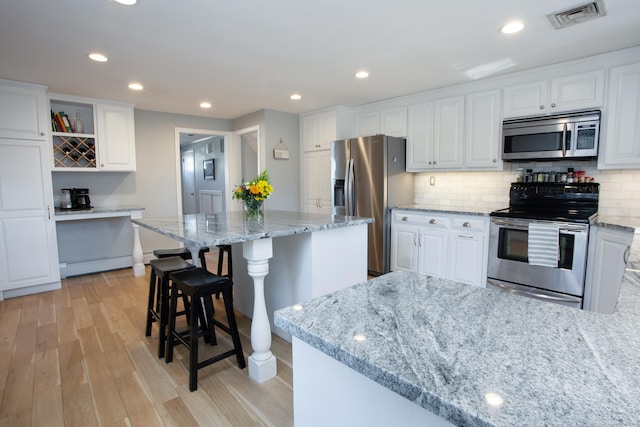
(29, 251)
(188, 183)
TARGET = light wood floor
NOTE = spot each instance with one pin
(78, 357)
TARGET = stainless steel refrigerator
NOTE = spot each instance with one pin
(368, 178)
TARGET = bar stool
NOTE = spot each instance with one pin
(199, 285)
(158, 303)
(222, 249)
(183, 253)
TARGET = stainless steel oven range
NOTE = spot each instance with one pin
(538, 246)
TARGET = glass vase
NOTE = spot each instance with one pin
(254, 214)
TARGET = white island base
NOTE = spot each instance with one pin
(329, 393)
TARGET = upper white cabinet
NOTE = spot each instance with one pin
(621, 145)
(116, 137)
(573, 92)
(391, 122)
(482, 131)
(23, 112)
(319, 129)
(435, 135)
(92, 135)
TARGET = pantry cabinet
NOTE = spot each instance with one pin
(620, 147)
(92, 135)
(450, 246)
(317, 131)
(574, 92)
(28, 248)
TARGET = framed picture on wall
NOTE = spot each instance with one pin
(209, 168)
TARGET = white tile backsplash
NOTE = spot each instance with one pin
(619, 189)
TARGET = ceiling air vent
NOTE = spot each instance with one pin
(578, 14)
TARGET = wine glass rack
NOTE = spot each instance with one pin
(74, 151)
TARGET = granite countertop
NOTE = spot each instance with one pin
(98, 210)
(206, 230)
(450, 210)
(443, 345)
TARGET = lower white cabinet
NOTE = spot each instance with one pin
(451, 246)
(608, 255)
(28, 248)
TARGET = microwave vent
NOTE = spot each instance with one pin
(577, 14)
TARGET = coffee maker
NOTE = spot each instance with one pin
(80, 198)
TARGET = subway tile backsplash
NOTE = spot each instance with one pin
(486, 190)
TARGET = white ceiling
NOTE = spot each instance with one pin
(247, 55)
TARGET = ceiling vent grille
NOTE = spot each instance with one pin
(577, 14)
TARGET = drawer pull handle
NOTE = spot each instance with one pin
(404, 218)
(432, 221)
(466, 224)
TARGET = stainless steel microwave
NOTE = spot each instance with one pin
(557, 137)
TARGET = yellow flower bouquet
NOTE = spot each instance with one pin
(253, 193)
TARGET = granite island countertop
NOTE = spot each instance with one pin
(443, 345)
(208, 230)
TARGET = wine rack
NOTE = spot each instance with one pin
(74, 150)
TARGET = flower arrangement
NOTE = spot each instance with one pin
(253, 193)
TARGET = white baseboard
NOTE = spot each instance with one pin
(28, 290)
(95, 266)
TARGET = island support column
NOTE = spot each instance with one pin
(262, 363)
(136, 255)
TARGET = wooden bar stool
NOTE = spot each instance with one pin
(183, 253)
(158, 303)
(199, 286)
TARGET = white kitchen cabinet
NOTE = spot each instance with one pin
(116, 137)
(573, 92)
(23, 112)
(482, 131)
(106, 141)
(620, 147)
(28, 248)
(317, 181)
(435, 135)
(319, 129)
(451, 246)
(391, 122)
(608, 255)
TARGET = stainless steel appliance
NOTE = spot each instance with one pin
(568, 208)
(368, 179)
(556, 137)
(80, 198)
(65, 199)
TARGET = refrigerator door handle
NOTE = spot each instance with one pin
(350, 189)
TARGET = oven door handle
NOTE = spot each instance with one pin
(542, 297)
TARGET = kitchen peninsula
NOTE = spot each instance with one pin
(423, 351)
(311, 255)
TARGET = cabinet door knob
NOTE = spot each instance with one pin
(432, 221)
(404, 218)
(41, 133)
(553, 105)
(466, 224)
(495, 160)
(542, 107)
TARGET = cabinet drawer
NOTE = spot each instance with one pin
(469, 223)
(422, 219)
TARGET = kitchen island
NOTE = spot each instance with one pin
(311, 255)
(405, 349)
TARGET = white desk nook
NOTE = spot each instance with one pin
(311, 255)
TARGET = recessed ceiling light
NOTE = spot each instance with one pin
(512, 27)
(98, 57)
(361, 74)
(135, 86)
(205, 105)
(127, 2)
(295, 97)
